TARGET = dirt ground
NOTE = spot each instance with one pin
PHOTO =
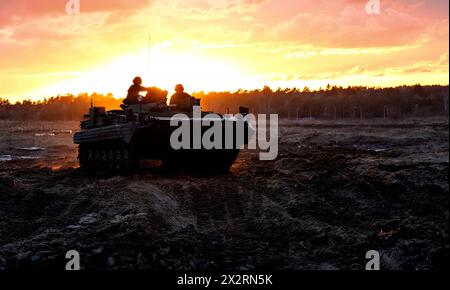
(336, 191)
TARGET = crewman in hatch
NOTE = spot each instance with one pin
(181, 100)
(134, 96)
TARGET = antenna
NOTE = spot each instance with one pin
(92, 101)
(149, 53)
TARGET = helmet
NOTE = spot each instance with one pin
(137, 81)
(179, 88)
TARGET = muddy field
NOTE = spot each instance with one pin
(336, 191)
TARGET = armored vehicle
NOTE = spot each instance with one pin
(113, 142)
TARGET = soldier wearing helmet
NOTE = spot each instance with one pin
(181, 100)
(133, 96)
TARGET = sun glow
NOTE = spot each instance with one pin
(158, 67)
(164, 67)
(218, 45)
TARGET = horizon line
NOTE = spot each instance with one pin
(301, 89)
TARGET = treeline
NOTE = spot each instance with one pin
(328, 103)
(335, 102)
(66, 107)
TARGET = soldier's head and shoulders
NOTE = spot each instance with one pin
(179, 91)
(136, 86)
(133, 96)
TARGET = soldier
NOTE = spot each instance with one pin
(182, 100)
(133, 96)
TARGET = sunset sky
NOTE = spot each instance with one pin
(218, 44)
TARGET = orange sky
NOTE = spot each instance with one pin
(218, 44)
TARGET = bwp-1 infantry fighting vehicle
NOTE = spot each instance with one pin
(113, 142)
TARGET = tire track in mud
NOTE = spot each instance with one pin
(321, 205)
(163, 203)
(215, 207)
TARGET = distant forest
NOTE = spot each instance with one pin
(329, 103)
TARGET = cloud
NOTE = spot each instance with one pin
(14, 11)
(206, 9)
(308, 51)
(293, 39)
(240, 6)
(351, 28)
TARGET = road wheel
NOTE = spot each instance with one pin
(111, 159)
(104, 161)
(90, 161)
(118, 160)
(97, 161)
(129, 162)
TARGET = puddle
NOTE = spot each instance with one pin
(54, 133)
(44, 134)
(61, 132)
(28, 157)
(32, 149)
(370, 148)
(379, 150)
(73, 227)
(4, 158)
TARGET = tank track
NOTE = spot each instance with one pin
(119, 158)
